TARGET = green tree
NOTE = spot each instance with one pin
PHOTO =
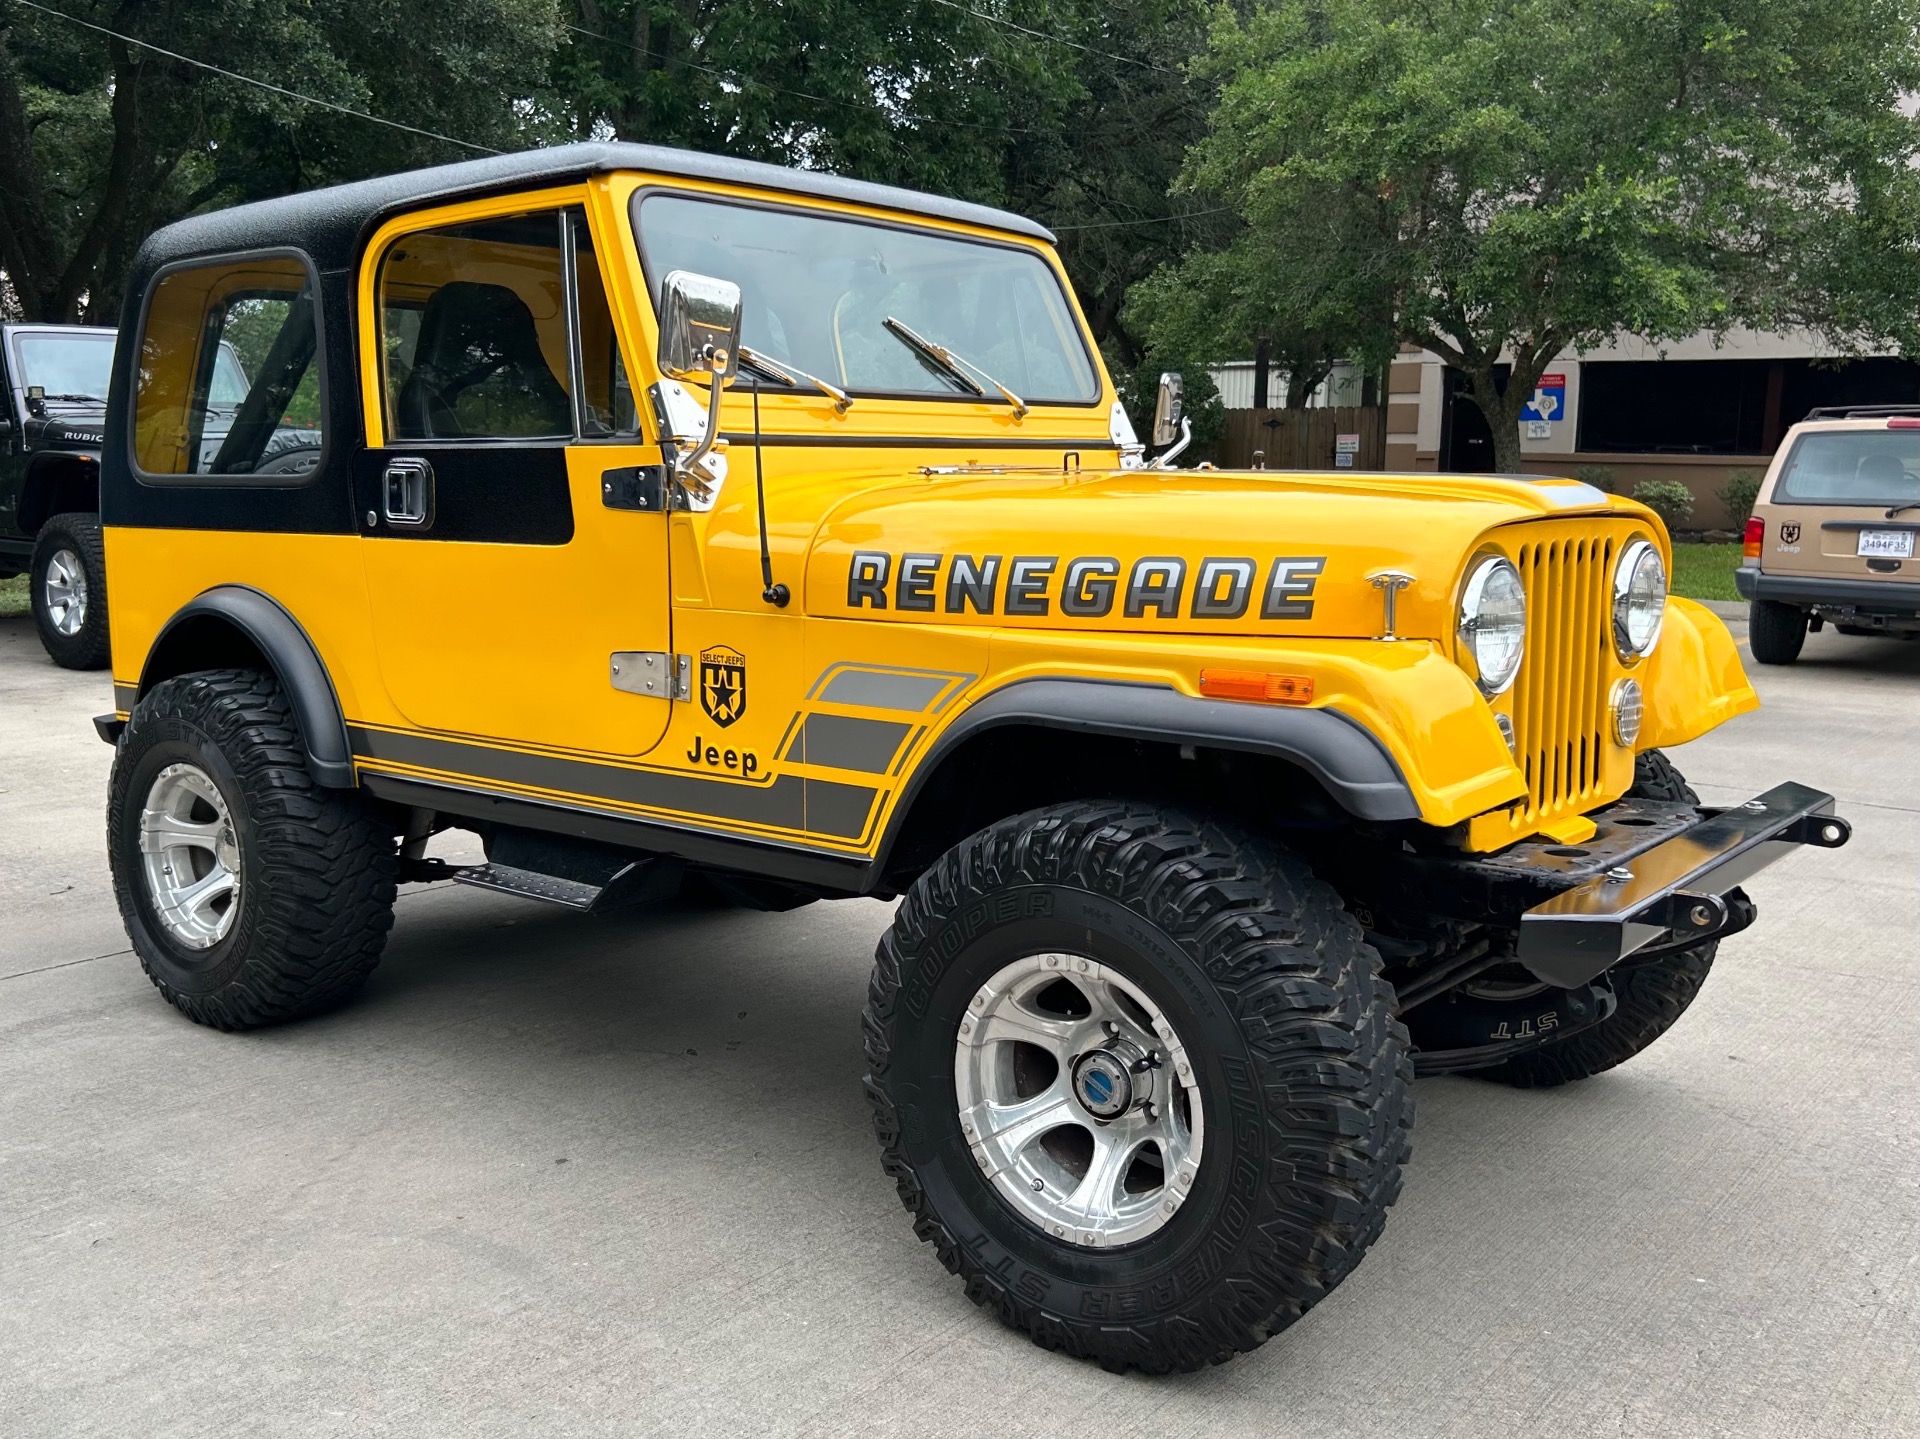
(1078, 112)
(102, 140)
(1500, 180)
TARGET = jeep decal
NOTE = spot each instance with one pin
(1087, 586)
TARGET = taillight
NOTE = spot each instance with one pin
(1750, 541)
(1904, 422)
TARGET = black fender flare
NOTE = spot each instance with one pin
(43, 480)
(1343, 755)
(286, 647)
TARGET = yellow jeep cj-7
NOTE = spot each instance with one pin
(670, 519)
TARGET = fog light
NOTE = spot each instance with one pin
(1627, 710)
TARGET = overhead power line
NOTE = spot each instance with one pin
(1150, 220)
(1006, 24)
(260, 84)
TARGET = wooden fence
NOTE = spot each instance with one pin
(1304, 439)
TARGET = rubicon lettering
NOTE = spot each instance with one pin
(1161, 587)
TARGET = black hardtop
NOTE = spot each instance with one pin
(329, 224)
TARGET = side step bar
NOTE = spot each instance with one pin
(642, 882)
(505, 879)
(1678, 885)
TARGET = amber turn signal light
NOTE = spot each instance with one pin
(1257, 685)
(1750, 541)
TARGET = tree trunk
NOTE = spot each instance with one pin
(1303, 378)
(1502, 414)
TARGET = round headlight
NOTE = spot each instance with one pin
(1493, 623)
(1639, 600)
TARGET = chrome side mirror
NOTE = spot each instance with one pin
(1170, 425)
(699, 340)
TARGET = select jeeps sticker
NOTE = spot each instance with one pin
(1084, 586)
(723, 684)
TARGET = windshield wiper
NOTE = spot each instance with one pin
(1909, 505)
(78, 399)
(761, 365)
(951, 365)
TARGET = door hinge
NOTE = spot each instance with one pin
(652, 672)
(635, 487)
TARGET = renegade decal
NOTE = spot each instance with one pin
(1222, 588)
(723, 684)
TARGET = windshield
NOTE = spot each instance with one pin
(74, 364)
(1852, 467)
(230, 382)
(816, 291)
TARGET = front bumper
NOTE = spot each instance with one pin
(1812, 590)
(1652, 869)
(1676, 884)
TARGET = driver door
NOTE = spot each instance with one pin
(503, 581)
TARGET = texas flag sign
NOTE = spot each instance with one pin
(1549, 400)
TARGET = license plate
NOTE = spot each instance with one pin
(1886, 544)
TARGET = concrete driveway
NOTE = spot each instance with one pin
(554, 1175)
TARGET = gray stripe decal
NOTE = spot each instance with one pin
(881, 690)
(837, 809)
(841, 742)
(790, 802)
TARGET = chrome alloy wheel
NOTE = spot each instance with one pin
(1078, 1100)
(190, 856)
(64, 592)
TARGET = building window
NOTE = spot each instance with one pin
(1674, 407)
(1723, 407)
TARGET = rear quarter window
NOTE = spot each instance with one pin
(230, 389)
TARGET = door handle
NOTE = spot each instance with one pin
(407, 492)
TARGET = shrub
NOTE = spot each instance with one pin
(1669, 499)
(1601, 477)
(1741, 490)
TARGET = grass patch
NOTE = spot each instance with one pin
(13, 597)
(1705, 572)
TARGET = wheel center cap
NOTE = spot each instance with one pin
(1103, 1084)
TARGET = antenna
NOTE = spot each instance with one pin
(775, 595)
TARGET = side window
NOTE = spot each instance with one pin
(229, 381)
(475, 339)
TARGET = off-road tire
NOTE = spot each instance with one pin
(1775, 632)
(88, 648)
(1305, 1075)
(1652, 994)
(316, 865)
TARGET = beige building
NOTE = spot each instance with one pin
(1689, 410)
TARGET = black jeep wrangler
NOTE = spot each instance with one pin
(55, 381)
(55, 377)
